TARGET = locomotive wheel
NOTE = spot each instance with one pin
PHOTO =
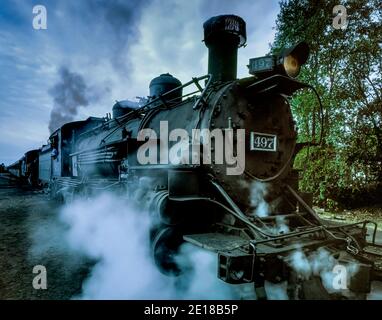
(164, 210)
(165, 248)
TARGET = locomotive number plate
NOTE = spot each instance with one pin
(263, 142)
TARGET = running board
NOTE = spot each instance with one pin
(216, 242)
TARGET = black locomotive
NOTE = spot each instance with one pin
(200, 203)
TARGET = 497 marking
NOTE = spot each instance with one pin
(263, 142)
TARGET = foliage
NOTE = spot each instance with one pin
(345, 67)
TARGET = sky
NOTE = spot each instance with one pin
(111, 49)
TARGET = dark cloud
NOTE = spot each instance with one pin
(120, 20)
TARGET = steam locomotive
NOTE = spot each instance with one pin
(198, 202)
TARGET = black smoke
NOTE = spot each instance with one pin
(69, 93)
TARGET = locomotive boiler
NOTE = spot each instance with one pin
(200, 151)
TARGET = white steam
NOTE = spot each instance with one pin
(300, 263)
(281, 225)
(276, 291)
(320, 263)
(258, 192)
(376, 291)
(116, 233)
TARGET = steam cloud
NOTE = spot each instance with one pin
(259, 191)
(115, 233)
(319, 263)
(70, 93)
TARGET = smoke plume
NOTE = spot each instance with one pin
(69, 94)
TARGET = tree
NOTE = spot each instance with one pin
(345, 67)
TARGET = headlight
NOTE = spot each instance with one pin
(293, 58)
(291, 66)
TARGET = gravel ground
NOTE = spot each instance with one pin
(26, 218)
(355, 215)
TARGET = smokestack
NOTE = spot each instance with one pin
(223, 35)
